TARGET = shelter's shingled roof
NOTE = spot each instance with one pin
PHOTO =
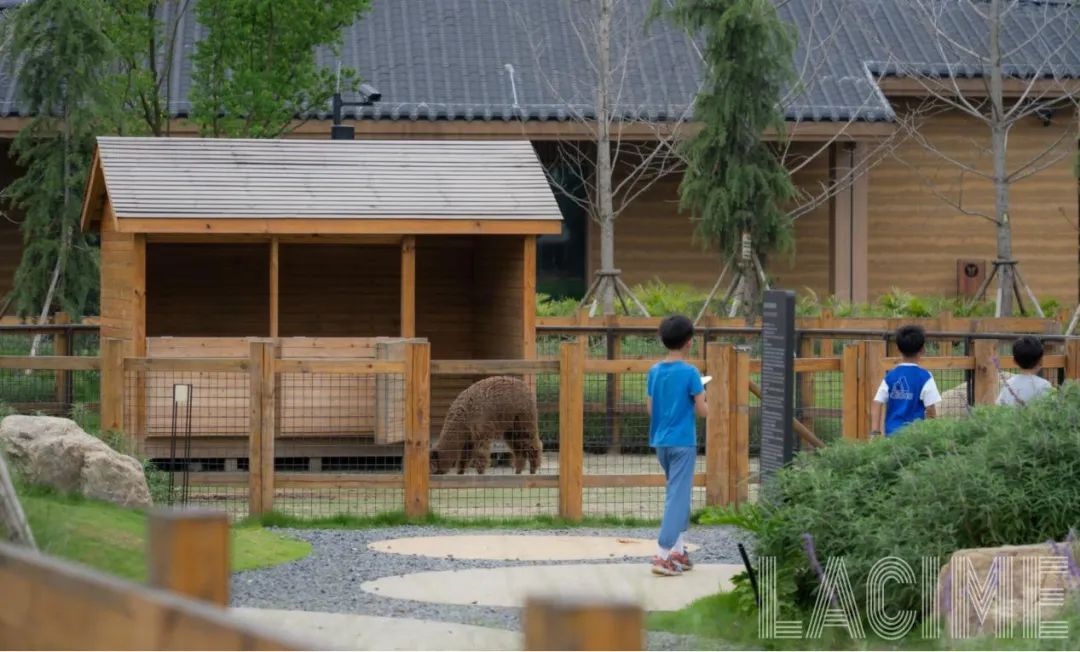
(448, 59)
(235, 178)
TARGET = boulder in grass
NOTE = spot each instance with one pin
(1012, 582)
(57, 453)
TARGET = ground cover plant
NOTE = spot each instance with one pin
(1003, 476)
(113, 539)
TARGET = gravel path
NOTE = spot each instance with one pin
(329, 578)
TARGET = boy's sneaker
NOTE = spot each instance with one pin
(665, 567)
(682, 560)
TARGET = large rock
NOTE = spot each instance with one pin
(57, 453)
(1014, 587)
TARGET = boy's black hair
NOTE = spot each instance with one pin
(910, 340)
(676, 331)
(1028, 352)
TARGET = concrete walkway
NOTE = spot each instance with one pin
(522, 547)
(509, 587)
(355, 632)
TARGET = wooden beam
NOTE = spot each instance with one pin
(275, 281)
(578, 624)
(528, 298)
(537, 130)
(719, 396)
(256, 238)
(408, 286)
(262, 424)
(849, 387)
(112, 385)
(93, 194)
(986, 373)
(189, 554)
(494, 367)
(69, 363)
(138, 296)
(284, 224)
(49, 604)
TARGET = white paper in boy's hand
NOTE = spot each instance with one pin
(705, 380)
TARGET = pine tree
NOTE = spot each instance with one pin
(256, 69)
(62, 67)
(734, 186)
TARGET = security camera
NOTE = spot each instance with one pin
(370, 93)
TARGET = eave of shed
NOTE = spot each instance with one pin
(195, 185)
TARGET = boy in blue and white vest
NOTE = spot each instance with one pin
(908, 392)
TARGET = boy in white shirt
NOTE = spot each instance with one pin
(1027, 385)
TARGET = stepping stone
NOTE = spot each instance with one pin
(354, 632)
(509, 587)
(520, 547)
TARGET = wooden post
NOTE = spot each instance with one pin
(986, 373)
(417, 465)
(559, 624)
(112, 385)
(62, 347)
(850, 386)
(740, 470)
(875, 374)
(614, 388)
(1072, 359)
(719, 363)
(528, 299)
(189, 554)
(806, 378)
(275, 285)
(263, 420)
(389, 399)
(408, 286)
(571, 430)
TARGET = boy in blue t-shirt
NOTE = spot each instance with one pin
(908, 392)
(675, 397)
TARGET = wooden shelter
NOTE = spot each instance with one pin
(326, 245)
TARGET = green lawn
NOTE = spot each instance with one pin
(113, 539)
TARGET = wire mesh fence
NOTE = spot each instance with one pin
(616, 441)
(498, 427)
(339, 444)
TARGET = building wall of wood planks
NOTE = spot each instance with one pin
(117, 294)
(654, 240)
(916, 238)
(340, 290)
(468, 305)
(207, 290)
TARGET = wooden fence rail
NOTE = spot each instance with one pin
(854, 375)
(49, 604)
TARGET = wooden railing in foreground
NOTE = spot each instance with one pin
(582, 624)
(50, 604)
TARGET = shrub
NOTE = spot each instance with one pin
(1003, 476)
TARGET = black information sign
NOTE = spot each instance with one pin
(777, 382)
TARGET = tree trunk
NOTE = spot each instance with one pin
(999, 143)
(603, 154)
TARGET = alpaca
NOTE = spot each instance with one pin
(495, 407)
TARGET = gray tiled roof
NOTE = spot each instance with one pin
(452, 59)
